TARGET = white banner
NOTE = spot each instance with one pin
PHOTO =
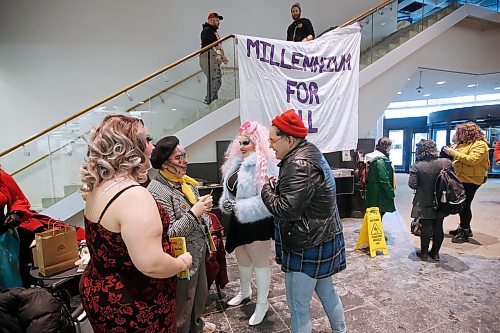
(318, 79)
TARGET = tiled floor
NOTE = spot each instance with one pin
(396, 292)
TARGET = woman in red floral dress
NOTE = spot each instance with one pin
(129, 283)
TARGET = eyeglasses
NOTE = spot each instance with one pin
(181, 157)
(275, 140)
(149, 138)
(245, 143)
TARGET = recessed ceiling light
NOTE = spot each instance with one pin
(426, 95)
(497, 88)
(471, 85)
(409, 78)
(399, 92)
(174, 109)
(441, 82)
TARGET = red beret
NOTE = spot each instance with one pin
(290, 123)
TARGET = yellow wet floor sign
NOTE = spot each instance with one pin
(372, 233)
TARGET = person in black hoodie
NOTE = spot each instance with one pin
(301, 29)
(211, 60)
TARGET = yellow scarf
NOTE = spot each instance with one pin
(184, 181)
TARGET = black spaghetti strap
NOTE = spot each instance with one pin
(113, 199)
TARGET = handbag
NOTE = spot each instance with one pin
(56, 250)
(10, 274)
(416, 227)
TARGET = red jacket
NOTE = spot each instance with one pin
(497, 151)
(12, 197)
(15, 200)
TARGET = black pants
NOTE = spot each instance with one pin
(466, 213)
(432, 227)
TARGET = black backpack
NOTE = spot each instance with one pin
(449, 193)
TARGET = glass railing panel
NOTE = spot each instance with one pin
(375, 28)
(391, 26)
(489, 4)
(37, 184)
(47, 168)
(181, 99)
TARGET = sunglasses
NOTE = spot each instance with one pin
(181, 157)
(245, 143)
(149, 138)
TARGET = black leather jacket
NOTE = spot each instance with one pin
(304, 201)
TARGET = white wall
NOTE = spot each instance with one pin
(460, 49)
(204, 150)
(60, 56)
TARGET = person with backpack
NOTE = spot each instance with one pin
(380, 183)
(471, 162)
(423, 175)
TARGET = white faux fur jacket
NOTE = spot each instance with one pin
(249, 206)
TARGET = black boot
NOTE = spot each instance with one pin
(434, 255)
(461, 237)
(423, 255)
(455, 232)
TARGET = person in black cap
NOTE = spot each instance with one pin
(211, 60)
(179, 196)
(301, 29)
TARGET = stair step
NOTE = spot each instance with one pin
(47, 202)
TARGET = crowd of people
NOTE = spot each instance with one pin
(278, 189)
(276, 186)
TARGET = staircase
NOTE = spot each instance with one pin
(401, 36)
(46, 166)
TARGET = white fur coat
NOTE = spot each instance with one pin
(249, 206)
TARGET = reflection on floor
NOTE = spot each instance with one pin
(397, 292)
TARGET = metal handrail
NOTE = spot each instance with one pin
(359, 17)
(119, 92)
(365, 14)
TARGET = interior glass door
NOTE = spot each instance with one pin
(397, 151)
(416, 137)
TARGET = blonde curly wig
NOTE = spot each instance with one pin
(116, 147)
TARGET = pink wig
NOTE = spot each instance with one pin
(259, 135)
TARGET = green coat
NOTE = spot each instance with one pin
(379, 188)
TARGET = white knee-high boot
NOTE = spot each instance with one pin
(263, 282)
(245, 288)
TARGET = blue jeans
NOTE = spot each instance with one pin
(299, 290)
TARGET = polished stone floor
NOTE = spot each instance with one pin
(396, 292)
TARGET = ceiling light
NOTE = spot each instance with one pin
(383, 23)
(174, 109)
(441, 82)
(426, 95)
(399, 92)
(497, 88)
(471, 85)
(420, 88)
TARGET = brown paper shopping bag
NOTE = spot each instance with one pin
(55, 250)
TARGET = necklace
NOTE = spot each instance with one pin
(106, 190)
